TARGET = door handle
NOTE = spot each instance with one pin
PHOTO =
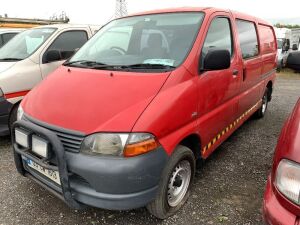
(235, 72)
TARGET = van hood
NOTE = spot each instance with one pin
(6, 65)
(92, 101)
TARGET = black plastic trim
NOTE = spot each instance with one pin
(5, 108)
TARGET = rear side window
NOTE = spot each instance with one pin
(68, 42)
(218, 36)
(248, 38)
(6, 37)
(267, 39)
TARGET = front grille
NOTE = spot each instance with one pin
(70, 140)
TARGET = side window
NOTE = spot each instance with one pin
(1, 42)
(267, 39)
(218, 36)
(67, 42)
(6, 37)
(248, 38)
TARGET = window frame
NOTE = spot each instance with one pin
(232, 39)
(44, 61)
(257, 38)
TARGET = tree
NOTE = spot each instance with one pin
(289, 26)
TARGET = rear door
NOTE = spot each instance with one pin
(268, 49)
(218, 89)
(251, 86)
(67, 42)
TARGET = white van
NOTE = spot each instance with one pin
(295, 39)
(30, 57)
(7, 34)
(283, 36)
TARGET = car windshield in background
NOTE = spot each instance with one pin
(158, 41)
(279, 43)
(24, 44)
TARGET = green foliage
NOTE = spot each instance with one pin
(278, 25)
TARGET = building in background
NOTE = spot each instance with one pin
(6, 22)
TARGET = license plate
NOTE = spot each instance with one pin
(51, 174)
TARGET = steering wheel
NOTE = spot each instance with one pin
(121, 50)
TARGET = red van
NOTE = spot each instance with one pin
(121, 124)
(281, 200)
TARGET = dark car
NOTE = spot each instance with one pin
(293, 61)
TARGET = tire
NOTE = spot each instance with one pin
(260, 113)
(171, 197)
(13, 116)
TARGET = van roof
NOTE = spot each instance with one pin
(206, 10)
(10, 30)
(63, 26)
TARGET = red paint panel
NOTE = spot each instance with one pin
(91, 101)
(273, 212)
(287, 148)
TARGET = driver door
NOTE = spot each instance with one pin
(217, 90)
(66, 44)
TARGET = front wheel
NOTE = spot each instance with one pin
(260, 113)
(175, 184)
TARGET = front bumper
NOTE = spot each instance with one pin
(274, 213)
(5, 108)
(104, 182)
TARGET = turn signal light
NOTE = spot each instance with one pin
(140, 148)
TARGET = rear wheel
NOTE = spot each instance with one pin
(260, 113)
(175, 184)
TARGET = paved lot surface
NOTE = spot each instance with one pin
(228, 188)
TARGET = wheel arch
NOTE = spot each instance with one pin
(193, 142)
(14, 107)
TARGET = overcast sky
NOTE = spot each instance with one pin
(101, 11)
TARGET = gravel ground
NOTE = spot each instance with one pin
(228, 188)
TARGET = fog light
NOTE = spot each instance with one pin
(22, 138)
(39, 146)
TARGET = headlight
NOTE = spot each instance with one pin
(288, 179)
(20, 113)
(115, 144)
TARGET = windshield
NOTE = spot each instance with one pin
(153, 40)
(280, 43)
(24, 44)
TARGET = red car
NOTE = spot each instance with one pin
(281, 201)
(122, 123)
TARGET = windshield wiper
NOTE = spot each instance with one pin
(99, 65)
(10, 59)
(148, 66)
(87, 62)
(91, 64)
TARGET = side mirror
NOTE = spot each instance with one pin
(52, 56)
(216, 59)
(295, 47)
